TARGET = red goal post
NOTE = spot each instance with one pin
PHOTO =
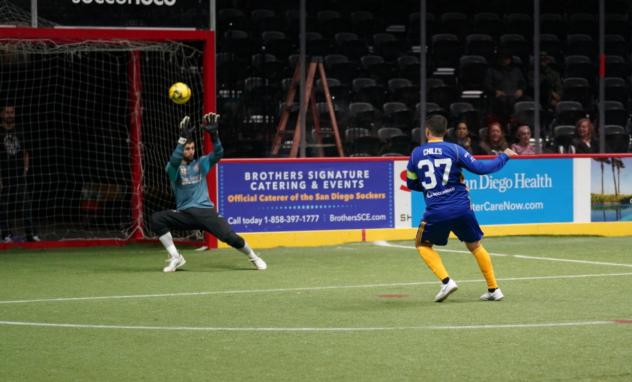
(66, 35)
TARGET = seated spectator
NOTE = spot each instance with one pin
(550, 83)
(493, 142)
(523, 145)
(584, 141)
(506, 84)
(461, 136)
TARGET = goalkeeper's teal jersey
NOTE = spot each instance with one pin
(188, 180)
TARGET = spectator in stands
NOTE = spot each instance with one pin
(550, 83)
(493, 142)
(584, 141)
(506, 83)
(523, 141)
(461, 136)
(15, 196)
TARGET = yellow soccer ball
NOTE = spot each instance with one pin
(180, 93)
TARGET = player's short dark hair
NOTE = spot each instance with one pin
(437, 124)
(189, 141)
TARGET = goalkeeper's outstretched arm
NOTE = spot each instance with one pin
(186, 133)
(210, 123)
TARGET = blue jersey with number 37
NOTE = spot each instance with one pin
(435, 167)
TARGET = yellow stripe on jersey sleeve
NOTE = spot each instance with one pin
(411, 175)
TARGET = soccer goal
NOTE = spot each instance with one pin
(92, 111)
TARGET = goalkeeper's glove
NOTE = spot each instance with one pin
(186, 131)
(210, 124)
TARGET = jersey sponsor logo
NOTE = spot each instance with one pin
(167, 3)
(190, 180)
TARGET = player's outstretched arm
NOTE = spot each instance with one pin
(210, 124)
(482, 167)
(186, 132)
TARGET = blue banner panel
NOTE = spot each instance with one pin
(524, 191)
(299, 196)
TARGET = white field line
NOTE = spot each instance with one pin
(303, 289)
(310, 329)
(387, 244)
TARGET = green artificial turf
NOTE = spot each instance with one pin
(358, 312)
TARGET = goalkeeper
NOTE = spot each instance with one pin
(194, 209)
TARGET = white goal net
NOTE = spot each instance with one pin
(67, 142)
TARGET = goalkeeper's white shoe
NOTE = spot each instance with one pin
(446, 290)
(174, 263)
(258, 262)
(496, 295)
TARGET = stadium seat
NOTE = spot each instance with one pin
(365, 146)
(552, 45)
(472, 72)
(487, 23)
(403, 90)
(580, 44)
(388, 46)
(356, 132)
(616, 45)
(615, 113)
(524, 113)
(237, 42)
(480, 45)
(397, 114)
(553, 23)
(440, 93)
(232, 18)
(579, 66)
(617, 140)
(329, 22)
(266, 20)
(339, 92)
(315, 44)
(277, 43)
(365, 24)
(618, 23)
(386, 133)
(368, 90)
(516, 45)
(408, 67)
(563, 137)
(455, 23)
(616, 90)
(582, 23)
(228, 70)
(616, 67)
(339, 66)
(267, 66)
(568, 112)
(414, 25)
(577, 89)
(349, 43)
(519, 23)
(376, 67)
(445, 50)
(465, 111)
(362, 114)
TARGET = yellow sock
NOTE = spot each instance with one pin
(433, 261)
(485, 264)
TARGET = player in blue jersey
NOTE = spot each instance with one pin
(435, 168)
(194, 209)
